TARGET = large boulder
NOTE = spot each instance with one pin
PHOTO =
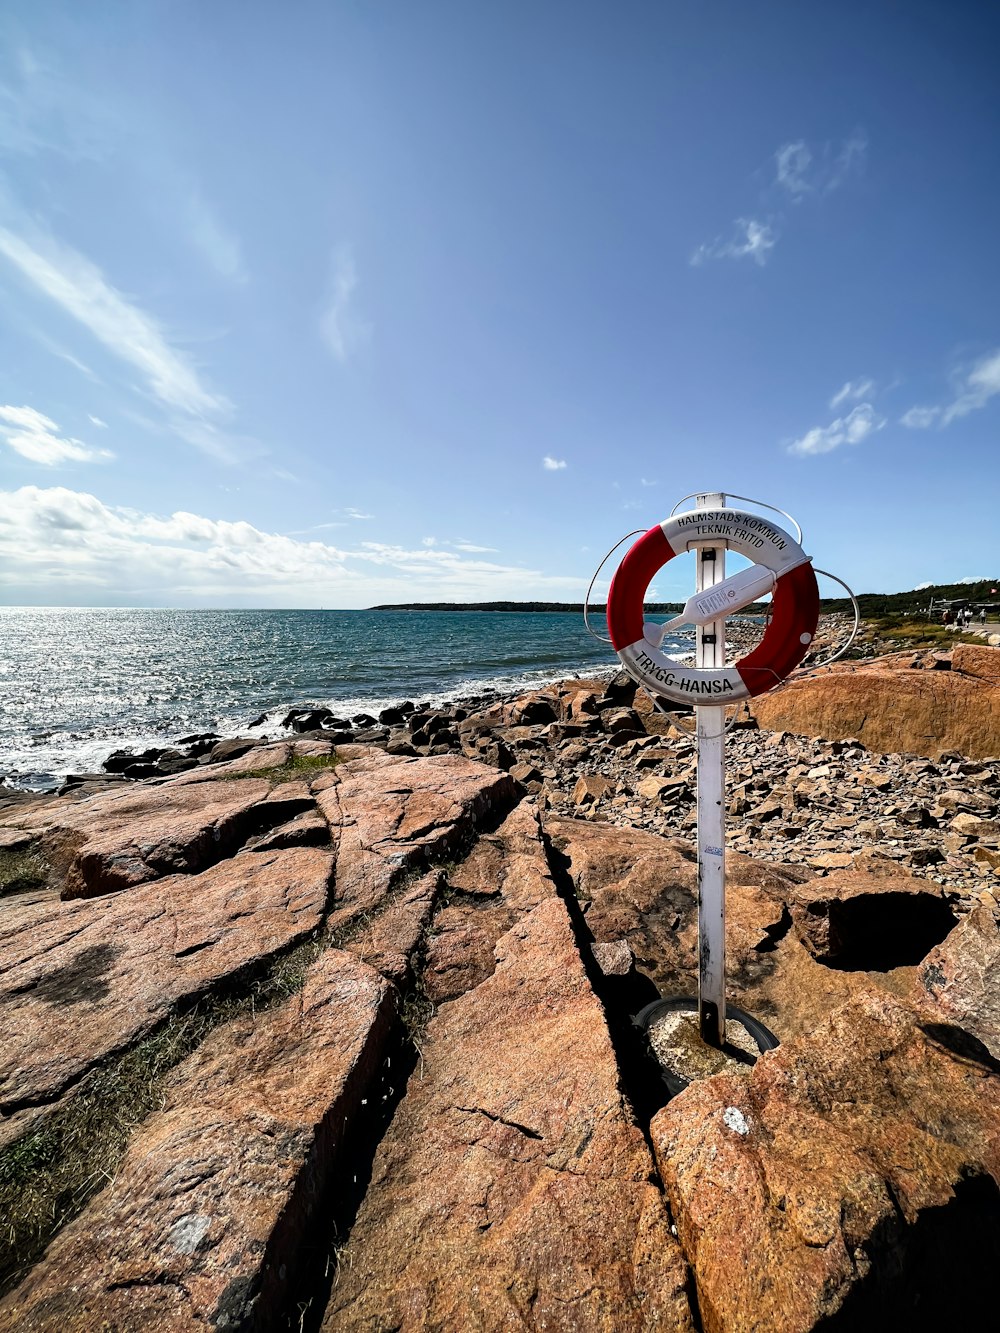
(893, 708)
(870, 917)
(850, 1183)
(971, 659)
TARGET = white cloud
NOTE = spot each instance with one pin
(974, 390)
(644, 482)
(341, 329)
(920, 418)
(316, 527)
(219, 246)
(80, 287)
(468, 547)
(852, 156)
(62, 542)
(35, 437)
(56, 349)
(793, 161)
(921, 586)
(981, 384)
(553, 464)
(96, 421)
(859, 423)
(751, 238)
(43, 111)
(852, 392)
(351, 512)
(802, 171)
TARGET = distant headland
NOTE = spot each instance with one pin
(983, 591)
(655, 607)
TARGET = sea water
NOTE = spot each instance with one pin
(77, 683)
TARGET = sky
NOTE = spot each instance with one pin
(331, 304)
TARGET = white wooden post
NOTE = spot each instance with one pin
(710, 651)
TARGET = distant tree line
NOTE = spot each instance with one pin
(916, 602)
(872, 604)
(597, 608)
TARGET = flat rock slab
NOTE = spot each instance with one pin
(389, 942)
(261, 758)
(201, 1226)
(390, 815)
(513, 1188)
(505, 876)
(642, 888)
(635, 886)
(130, 836)
(853, 1174)
(80, 981)
(13, 839)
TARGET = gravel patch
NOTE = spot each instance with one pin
(678, 1046)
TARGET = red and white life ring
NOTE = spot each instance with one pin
(794, 614)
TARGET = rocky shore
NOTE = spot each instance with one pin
(333, 1030)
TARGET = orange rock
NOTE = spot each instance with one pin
(871, 916)
(79, 981)
(505, 876)
(972, 660)
(205, 1221)
(960, 979)
(635, 886)
(512, 1189)
(639, 887)
(390, 940)
(138, 833)
(854, 1174)
(892, 709)
(390, 815)
(591, 788)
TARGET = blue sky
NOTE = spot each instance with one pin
(326, 304)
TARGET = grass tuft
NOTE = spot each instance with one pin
(912, 632)
(300, 765)
(21, 869)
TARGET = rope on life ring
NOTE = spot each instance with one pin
(780, 567)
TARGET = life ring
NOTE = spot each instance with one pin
(794, 616)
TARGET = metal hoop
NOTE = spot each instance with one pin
(813, 666)
(586, 601)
